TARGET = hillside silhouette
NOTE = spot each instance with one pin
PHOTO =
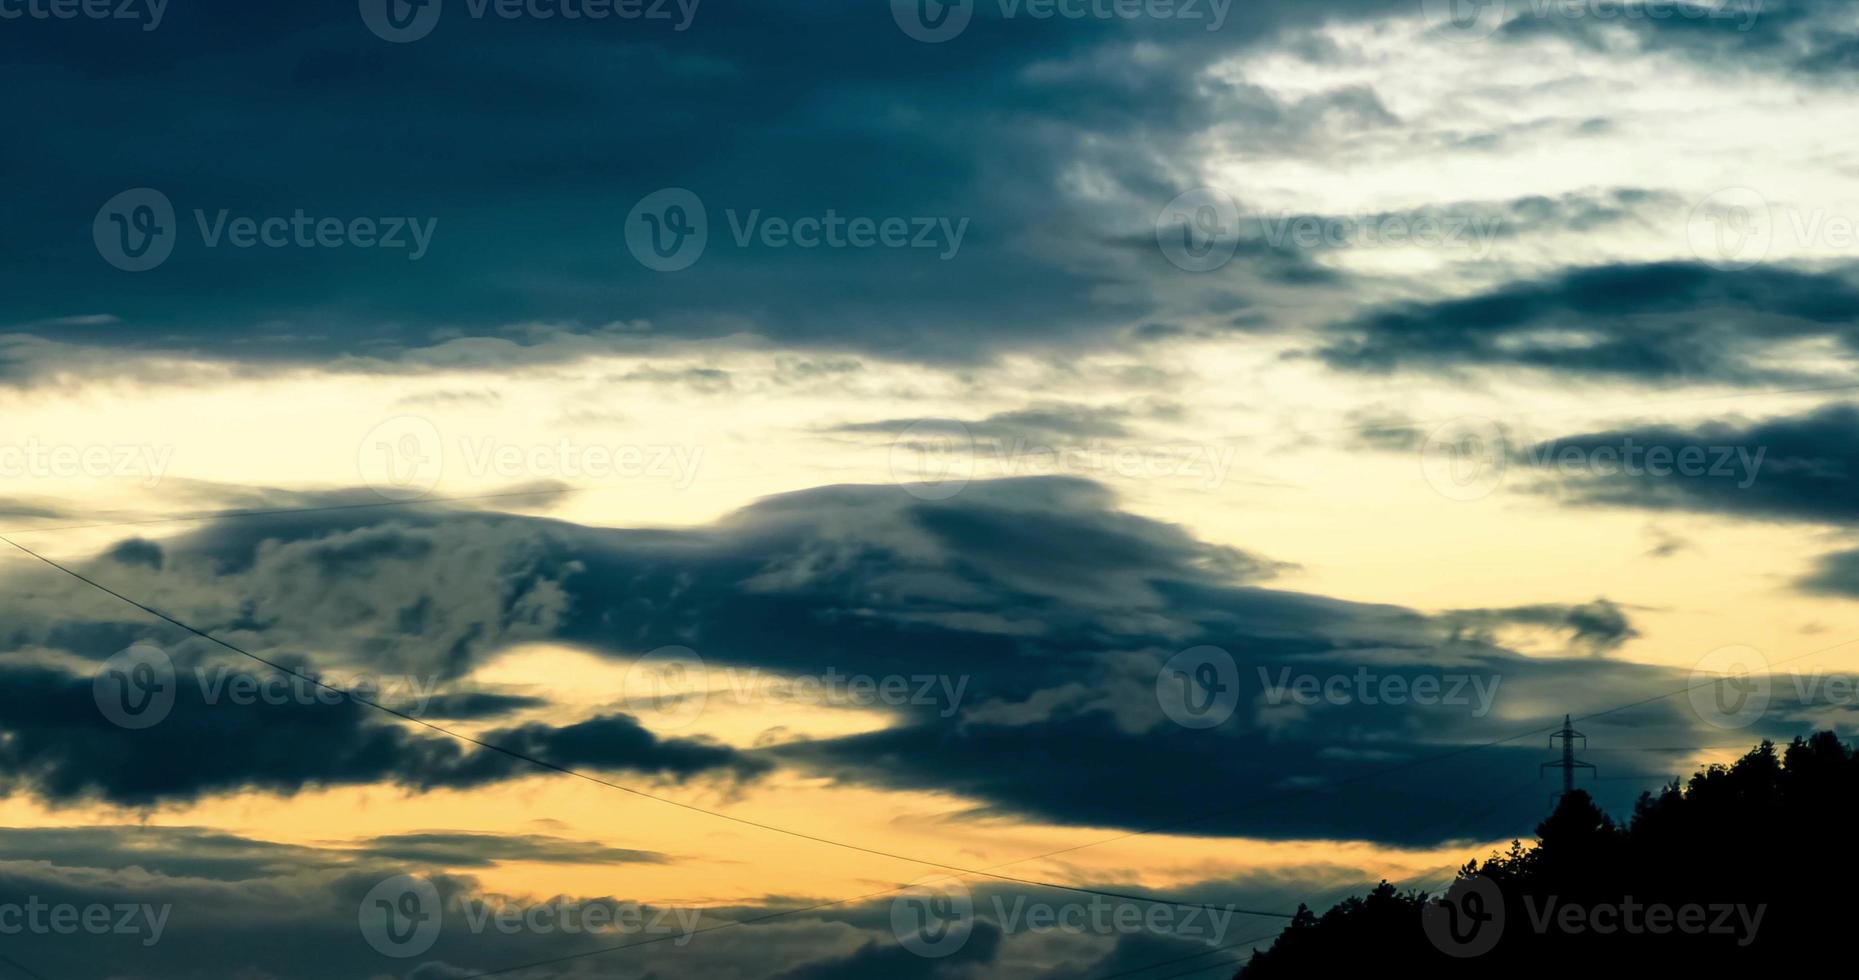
(1749, 866)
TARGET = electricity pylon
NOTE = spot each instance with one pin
(1568, 763)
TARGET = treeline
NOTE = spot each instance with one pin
(1744, 867)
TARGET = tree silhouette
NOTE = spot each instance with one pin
(1744, 867)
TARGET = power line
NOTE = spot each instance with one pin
(958, 870)
(564, 770)
(15, 964)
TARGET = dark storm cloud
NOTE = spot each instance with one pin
(294, 911)
(59, 745)
(1809, 38)
(528, 141)
(477, 705)
(1653, 321)
(458, 850)
(15, 508)
(1834, 574)
(180, 852)
(1598, 626)
(1049, 610)
(193, 852)
(1049, 420)
(1801, 467)
(136, 551)
(1274, 771)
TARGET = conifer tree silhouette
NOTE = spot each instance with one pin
(1743, 867)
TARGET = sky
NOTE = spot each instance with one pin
(999, 488)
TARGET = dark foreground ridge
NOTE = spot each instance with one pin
(1749, 866)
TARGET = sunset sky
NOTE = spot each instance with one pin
(869, 443)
